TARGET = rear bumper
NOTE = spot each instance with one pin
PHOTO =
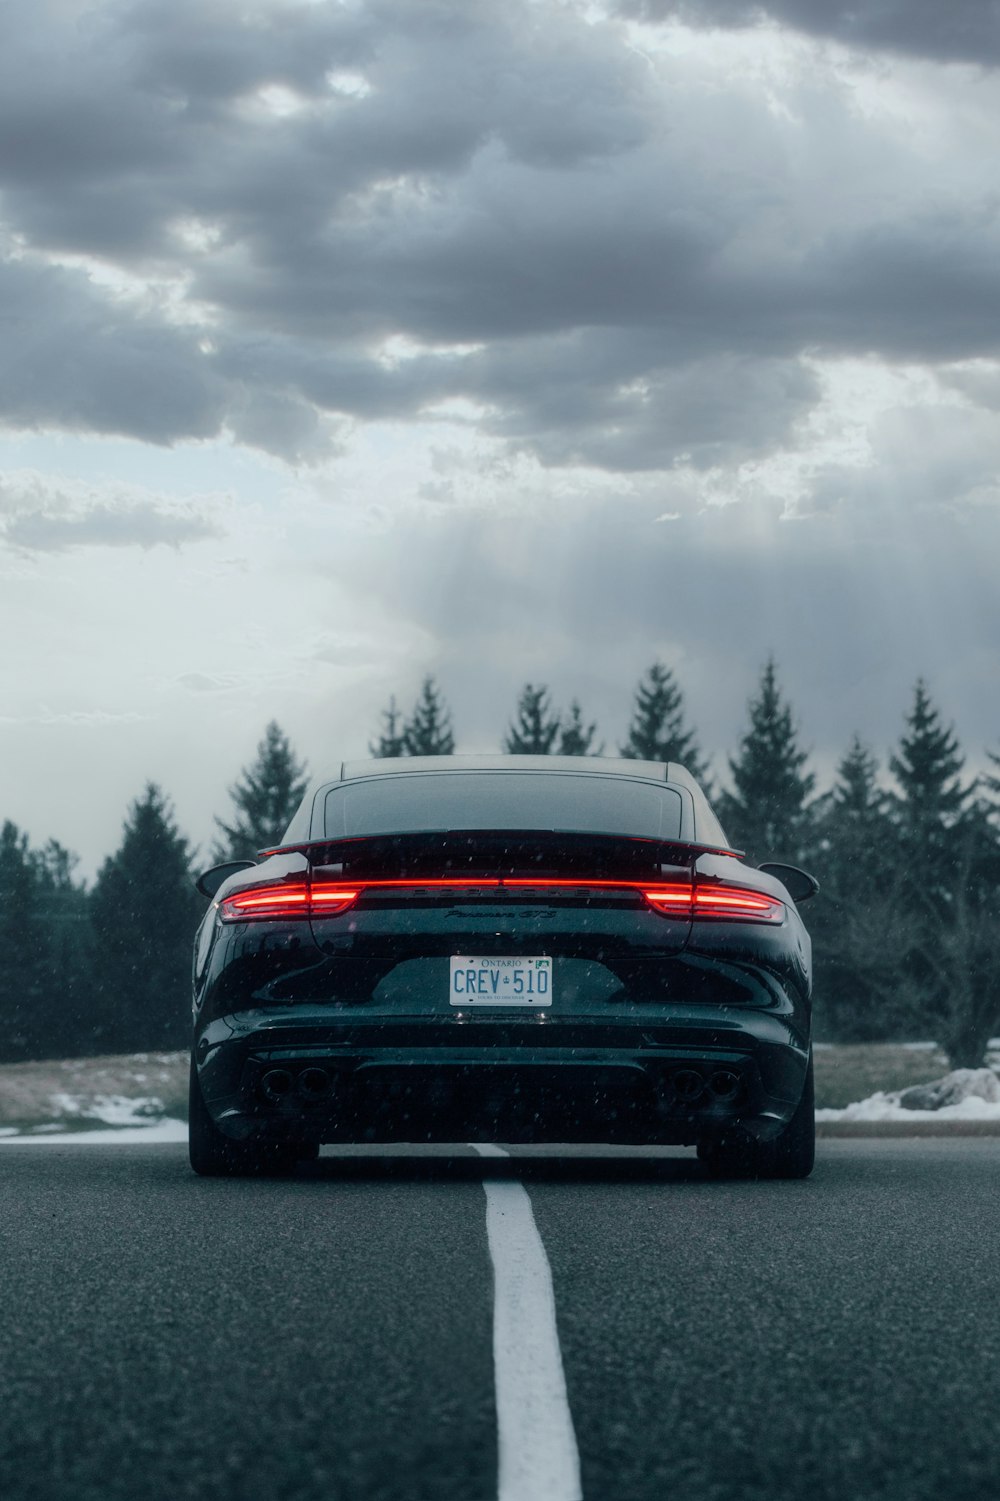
(297, 1074)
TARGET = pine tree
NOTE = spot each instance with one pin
(657, 731)
(853, 821)
(577, 738)
(65, 1025)
(391, 740)
(45, 976)
(927, 768)
(767, 813)
(265, 797)
(962, 956)
(428, 730)
(857, 797)
(144, 911)
(22, 939)
(949, 890)
(858, 927)
(534, 728)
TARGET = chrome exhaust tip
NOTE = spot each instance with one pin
(276, 1083)
(724, 1084)
(314, 1083)
(688, 1085)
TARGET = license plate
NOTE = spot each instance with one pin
(500, 982)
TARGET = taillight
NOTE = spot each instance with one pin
(672, 901)
(287, 900)
(737, 904)
(724, 903)
(329, 900)
(295, 899)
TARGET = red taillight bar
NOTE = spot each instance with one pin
(740, 902)
(288, 899)
(672, 899)
(725, 903)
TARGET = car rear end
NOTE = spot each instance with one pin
(503, 952)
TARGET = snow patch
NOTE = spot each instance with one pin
(116, 1118)
(112, 1109)
(961, 1084)
(963, 1095)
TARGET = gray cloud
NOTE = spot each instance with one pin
(642, 416)
(37, 518)
(941, 465)
(76, 359)
(142, 526)
(618, 271)
(955, 31)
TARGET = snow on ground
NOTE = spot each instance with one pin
(965, 1094)
(117, 1119)
(111, 1109)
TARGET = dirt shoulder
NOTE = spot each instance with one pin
(79, 1093)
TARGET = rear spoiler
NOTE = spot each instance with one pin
(683, 847)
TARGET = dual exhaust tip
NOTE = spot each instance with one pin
(309, 1084)
(690, 1085)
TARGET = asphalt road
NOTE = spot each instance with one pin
(329, 1336)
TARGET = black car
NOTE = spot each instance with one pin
(517, 949)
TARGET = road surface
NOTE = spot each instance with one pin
(369, 1327)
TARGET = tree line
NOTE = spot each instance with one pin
(905, 930)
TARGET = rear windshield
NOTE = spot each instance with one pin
(567, 802)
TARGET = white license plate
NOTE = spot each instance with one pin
(500, 982)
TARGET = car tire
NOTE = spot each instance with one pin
(793, 1153)
(790, 1155)
(213, 1155)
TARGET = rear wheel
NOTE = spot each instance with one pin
(790, 1155)
(213, 1155)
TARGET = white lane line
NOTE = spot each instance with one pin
(539, 1460)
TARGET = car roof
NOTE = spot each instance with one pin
(393, 765)
(615, 766)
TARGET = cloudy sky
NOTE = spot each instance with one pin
(498, 339)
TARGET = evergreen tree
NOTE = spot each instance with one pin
(428, 730)
(958, 953)
(144, 911)
(949, 956)
(45, 976)
(853, 826)
(267, 794)
(767, 813)
(22, 938)
(392, 740)
(858, 926)
(858, 800)
(927, 768)
(534, 729)
(66, 1023)
(577, 738)
(658, 731)
(950, 889)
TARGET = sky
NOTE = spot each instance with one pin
(505, 341)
